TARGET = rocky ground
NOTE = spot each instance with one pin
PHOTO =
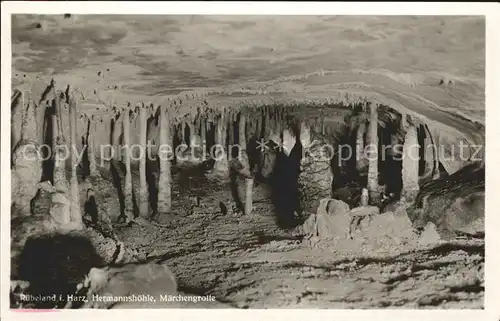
(246, 261)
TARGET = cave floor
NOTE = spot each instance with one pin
(246, 261)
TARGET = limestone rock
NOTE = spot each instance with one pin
(268, 161)
(107, 248)
(329, 206)
(396, 227)
(131, 279)
(364, 211)
(23, 228)
(455, 204)
(429, 235)
(26, 174)
(465, 215)
(332, 221)
(315, 179)
(104, 195)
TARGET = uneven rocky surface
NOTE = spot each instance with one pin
(247, 262)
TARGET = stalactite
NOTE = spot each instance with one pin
(360, 147)
(203, 132)
(127, 192)
(242, 142)
(258, 124)
(164, 185)
(17, 111)
(115, 139)
(231, 131)
(289, 141)
(91, 146)
(183, 132)
(143, 187)
(434, 155)
(29, 122)
(372, 154)
(192, 133)
(76, 215)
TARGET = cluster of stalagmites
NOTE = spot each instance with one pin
(275, 144)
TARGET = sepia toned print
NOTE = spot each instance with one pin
(237, 161)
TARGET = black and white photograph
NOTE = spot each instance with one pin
(240, 161)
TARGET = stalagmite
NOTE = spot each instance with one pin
(372, 154)
(248, 195)
(164, 185)
(76, 215)
(410, 163)
(360, 147)
(221, 165)
(27, 169)
(127, 192)
(364, 197)
(143, 187)
(60, 180)
(315, 178)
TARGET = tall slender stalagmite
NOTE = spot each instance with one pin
(165, 180)
(61, 205)
(59, 141)
(143, 187)
(127, 191)
(76, 216)
(410, 163)
(372, 154)
(221, 163)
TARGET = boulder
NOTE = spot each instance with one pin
(364, 211)
(455, 204)
(465, 215)
(385, 225)
(429, 235)
(131, 279)
(331, 221)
